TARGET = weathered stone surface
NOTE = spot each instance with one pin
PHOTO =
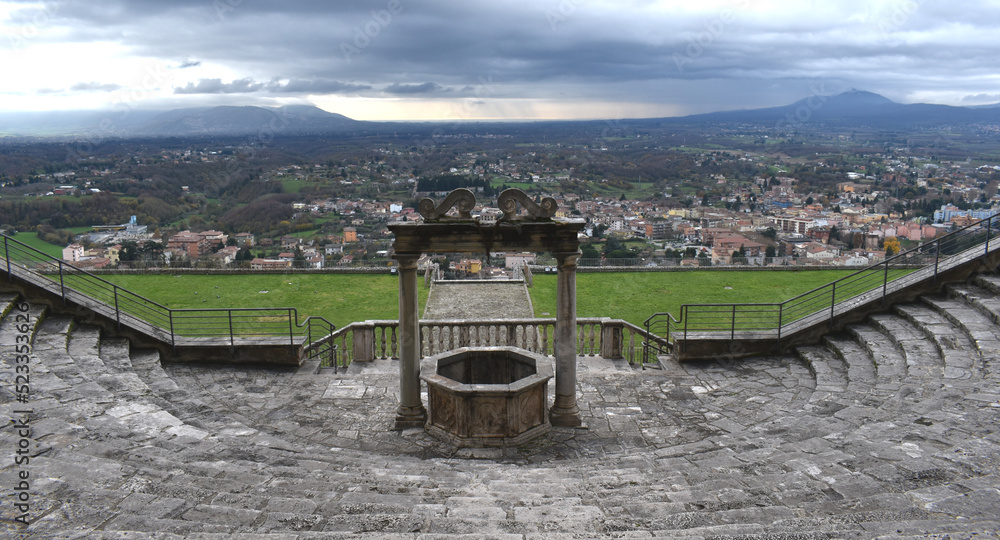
(869, 442)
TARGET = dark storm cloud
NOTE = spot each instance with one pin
(632, 50)
(425, 88)
(244, 86)
(216, 86)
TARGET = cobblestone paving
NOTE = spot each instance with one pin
(871, 435)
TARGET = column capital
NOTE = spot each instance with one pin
(407, 261)
(567, 258)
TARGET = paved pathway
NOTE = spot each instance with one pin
(478, 300)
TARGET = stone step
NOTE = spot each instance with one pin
(980, 329)
(983, 299)
(887, 357)
(12, 326)
(829, 370)
(186, 401)
(861, 373)
(922, 357)
(990, 282)
(7, 302)
(958, 352)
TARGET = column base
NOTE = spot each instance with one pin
(410, 417)
(565, 416)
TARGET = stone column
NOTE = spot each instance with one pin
(565, 411)
(411, 412)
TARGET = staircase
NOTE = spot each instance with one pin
(884, 430)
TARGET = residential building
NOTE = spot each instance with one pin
(192, 244)
(73, 253)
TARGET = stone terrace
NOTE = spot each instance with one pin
(887, 431)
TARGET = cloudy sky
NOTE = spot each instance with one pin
(502, 59)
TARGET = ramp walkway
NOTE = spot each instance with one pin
(478, 300)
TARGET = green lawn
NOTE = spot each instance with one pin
(634, 296)
(339, 298)
(345, 298)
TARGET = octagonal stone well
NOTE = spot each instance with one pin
(487, 396)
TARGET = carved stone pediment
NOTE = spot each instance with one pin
(464, 201)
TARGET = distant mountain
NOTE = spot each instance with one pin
(225, 120)
(291, 120)
(855, 108)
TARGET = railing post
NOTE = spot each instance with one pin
(118, 313)
(232, 338)
(732, 332)
(686, 315)
(781, 310)
(364, 342)
(937, 258)
(885, 280)
(291, 329)
(6, 255)
(611, 339)
(170, 314)
(989, 223)
(62, 285)
(833, 299)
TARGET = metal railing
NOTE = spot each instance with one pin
(273, 326)
(774, 320)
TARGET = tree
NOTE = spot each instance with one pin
(770, 253)
(891, 246)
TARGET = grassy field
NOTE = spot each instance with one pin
(31, 239)
(634, 296)
(345, 298)
(339, 298)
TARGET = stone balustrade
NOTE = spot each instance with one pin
(378, 340)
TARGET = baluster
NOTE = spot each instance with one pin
(395, 353)
(431, 341)
(421, 335)
(591, 340)
(545, 338)
(631, 346)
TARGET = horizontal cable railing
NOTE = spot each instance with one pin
(772, 320)
(272, 326)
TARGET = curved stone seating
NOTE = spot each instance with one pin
(862, 436)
